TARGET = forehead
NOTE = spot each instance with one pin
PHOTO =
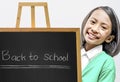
(101, 15)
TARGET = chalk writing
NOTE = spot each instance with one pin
(33, 57)
(21, 56)
(55, 57)
(6, 56)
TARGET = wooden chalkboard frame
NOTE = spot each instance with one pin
(76, 30)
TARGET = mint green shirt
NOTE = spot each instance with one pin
(100, 69)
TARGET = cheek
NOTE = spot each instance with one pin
(104, 35)
(85, 29)
(84, 32)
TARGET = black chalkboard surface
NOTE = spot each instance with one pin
(40, 55)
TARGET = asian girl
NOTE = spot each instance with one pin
(100, 42)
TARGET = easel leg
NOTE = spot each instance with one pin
(32, 13)
(18, 16)
(47, 16)
(33, 16)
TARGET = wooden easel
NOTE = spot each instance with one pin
(32, 5)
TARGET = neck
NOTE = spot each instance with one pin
(89, 46)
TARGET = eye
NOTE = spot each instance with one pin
(103, 27)
(92, 22)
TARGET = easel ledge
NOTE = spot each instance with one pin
(32, 3)
(24, 29)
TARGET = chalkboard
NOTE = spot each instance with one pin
(40, 55)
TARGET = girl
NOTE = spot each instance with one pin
(100, 42)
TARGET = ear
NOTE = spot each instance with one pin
(109, 38)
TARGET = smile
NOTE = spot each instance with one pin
(92, 36)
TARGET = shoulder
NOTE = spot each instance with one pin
(108, 61)
(105, 56)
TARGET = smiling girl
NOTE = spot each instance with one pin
(100, 42)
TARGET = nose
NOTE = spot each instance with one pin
(95, 29)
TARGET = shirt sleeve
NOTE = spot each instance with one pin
(108, 72)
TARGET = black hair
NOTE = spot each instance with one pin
(113, 47)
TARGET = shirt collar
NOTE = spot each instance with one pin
(92, 52)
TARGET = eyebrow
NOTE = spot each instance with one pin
(105, 23)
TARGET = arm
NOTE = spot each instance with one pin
(108, 72)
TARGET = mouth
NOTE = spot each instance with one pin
(92, 36)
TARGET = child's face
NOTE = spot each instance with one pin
(98, 28)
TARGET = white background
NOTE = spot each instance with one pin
(62, 13)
